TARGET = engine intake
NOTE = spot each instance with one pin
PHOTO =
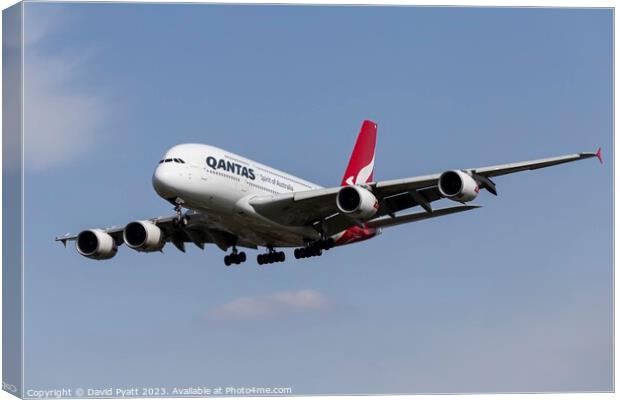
(96, 244)
(143, 236)
(357, 202)
(458, 186)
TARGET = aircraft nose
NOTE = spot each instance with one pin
(163, 181)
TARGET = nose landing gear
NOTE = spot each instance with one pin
(178, 209)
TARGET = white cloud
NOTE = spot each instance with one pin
(61, 122)
(270, 305)
(40, 22)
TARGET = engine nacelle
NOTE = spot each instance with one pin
(96, 244)
(143, 236)
(357, 202)
(458, 186)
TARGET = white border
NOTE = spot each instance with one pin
(480, 3)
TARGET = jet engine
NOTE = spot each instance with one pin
(357, 202)
(458, 186)
(96, 244)
(143, 236)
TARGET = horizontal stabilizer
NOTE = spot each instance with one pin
(385, 222)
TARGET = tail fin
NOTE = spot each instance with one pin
(362, 162)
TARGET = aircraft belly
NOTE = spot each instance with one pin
(263, 234)
(251, 230)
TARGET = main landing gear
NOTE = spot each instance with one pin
(235, 257)
(314, 249)
(270, 257)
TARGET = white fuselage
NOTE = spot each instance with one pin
(219, 184)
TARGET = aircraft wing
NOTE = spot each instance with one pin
(115, 231)
(198, 230)
(488, 172)
(309, 207)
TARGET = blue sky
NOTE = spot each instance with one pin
(515, 296)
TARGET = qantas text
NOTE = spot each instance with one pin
(231, 167)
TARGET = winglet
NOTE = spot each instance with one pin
(62, 239)
(599, 155)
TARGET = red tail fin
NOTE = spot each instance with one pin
(362, 162)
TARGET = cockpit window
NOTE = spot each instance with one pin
(176, 160)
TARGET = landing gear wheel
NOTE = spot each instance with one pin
(314, 249)
(270, 257)
(234, 257)
(301, 253)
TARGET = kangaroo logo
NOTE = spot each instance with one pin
(363, 175)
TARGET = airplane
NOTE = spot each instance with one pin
(234, 202)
